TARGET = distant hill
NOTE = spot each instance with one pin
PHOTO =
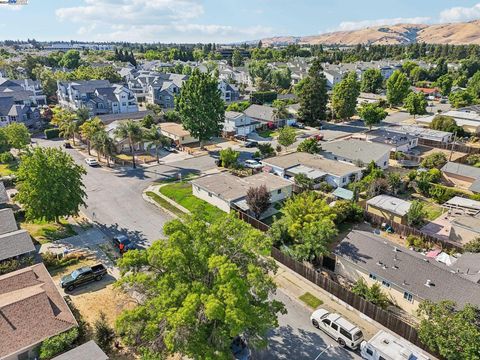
(454, 34)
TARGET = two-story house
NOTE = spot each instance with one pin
(228, 92)
(99, 96)
(237, 123)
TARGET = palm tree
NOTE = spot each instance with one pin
(66, 122)
(156, 140)
(104, 145)
(88, 130)
(131, 131)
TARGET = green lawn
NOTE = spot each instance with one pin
(433, 211)
(165, 204)
(44, 232)
(8, 169)
(268, 133)
(311, 300)
(181, 193)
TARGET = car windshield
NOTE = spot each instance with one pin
(357, 336)
(76, 273)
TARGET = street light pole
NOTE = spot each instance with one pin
(328, 347)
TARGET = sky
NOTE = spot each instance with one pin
(219, 21)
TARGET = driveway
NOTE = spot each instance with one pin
(296, 338)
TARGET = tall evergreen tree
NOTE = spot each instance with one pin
(313, 96)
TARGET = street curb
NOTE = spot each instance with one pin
(148, 199)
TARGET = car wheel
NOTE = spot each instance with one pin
(98, 278)
(70, 288)
(341, 342)
(315, 323)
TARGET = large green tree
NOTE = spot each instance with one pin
(71, 59)
(50, 184)
(473, 86)
(452, 333)
(200, 106)
(344, 97)
(444, 84)
(372, 114)
(397, 88)
(200, 287)
(372, 81)
(307, 228)
(286, 136)
(313, 96)
(416, 104)
(17, 135)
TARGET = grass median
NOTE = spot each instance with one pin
(311, 300)
(181, 193)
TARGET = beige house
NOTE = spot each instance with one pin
(407, 276)
(389, 207)
(227, 191)
(462, 176)
(464, 229)
(177, 133)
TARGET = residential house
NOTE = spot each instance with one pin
(98, 96)
(333, 77)
(398, 142)
(25, 92)
(227, 191)
(389, 207)
(32, 311)
(177, 133)
(11, 113)
(14, 243)
(462, 206)
(358, 152)
(228, 92)
(427, 92)
(136, 116)
(122, 145)
(468, 120)
(422, 133)
(465, 228)
(315, 167)
(88, 351)
(406, 276)
(157, 88)
(463, 176)
(265, 116)
(237, 123)
(4, 198)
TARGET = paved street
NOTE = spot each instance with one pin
(115, 200)
(296, 338)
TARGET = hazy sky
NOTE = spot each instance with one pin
(215, 20)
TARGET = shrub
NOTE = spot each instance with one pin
(229, 158)
(262, 97)
(345, 210)
(52, 133)
(434, 160)
(53, 261)
(6, 157)
(473, 246)
(104, 334)
(415, 241)
(58, 344)
(374, 294)
(416, 213)
(442, 194)
(15, 264)
(266, 149)
(325, 187)
(311, 146)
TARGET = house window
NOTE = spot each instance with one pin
(372, 276)
(210, 194)
(279, 191)
(407, 296)
(344, 180)
(124, 104)
(384, 163)
(385, 283)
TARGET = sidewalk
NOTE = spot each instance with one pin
(295, 285)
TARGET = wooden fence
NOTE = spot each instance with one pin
(405, 230)
(385, 318)
(257, 224)
(456, 146)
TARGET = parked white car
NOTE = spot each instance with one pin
(340, 329)
(91, 162)
(253, 164)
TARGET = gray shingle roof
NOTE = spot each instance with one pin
(462, 170)
(3, 194)
(353, 149)
(375, 255)
(260, 112)
(7, 221)
(15, 243)
(90, 350)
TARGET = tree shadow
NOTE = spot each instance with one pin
(349, 250)
(287, 343)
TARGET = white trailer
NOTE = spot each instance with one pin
(386, 346)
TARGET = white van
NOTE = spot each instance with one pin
(386, 346)
(344, 332)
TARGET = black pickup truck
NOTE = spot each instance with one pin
(82, 276)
